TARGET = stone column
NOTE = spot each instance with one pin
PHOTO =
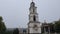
(44, 30)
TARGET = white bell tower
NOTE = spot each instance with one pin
(34, 26)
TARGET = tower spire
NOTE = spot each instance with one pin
(33, 12)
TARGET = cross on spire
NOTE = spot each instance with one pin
(32, 0)
(44, 21)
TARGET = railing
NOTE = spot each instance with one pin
(51, 33)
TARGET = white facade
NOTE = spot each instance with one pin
(34, 29)
(34, 26)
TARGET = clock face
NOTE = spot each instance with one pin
(35, 27)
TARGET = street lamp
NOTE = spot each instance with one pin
(49, 29)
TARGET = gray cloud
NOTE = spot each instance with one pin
(15, 12)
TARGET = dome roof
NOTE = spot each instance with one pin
(32, 4)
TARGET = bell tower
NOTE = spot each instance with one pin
(34, 26)
(33, 16)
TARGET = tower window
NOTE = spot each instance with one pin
(34, 18)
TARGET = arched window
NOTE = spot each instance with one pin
(34, 18)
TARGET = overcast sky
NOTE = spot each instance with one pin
(15, 12)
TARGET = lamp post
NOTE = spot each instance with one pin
(54, 27)
(49, 29)
(44, 30)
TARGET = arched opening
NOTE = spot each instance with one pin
(34, 18)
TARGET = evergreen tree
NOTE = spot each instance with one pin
(2, 25)
(16, 31)
(57, 26)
